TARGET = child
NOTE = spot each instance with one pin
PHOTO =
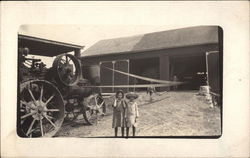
(175, 79)
(151, 90)
(119, 112)
(131, 113)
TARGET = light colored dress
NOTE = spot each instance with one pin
(131, 113)
(118, 113)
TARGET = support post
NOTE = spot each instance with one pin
(77, 53)
(113, 76)
(100, 64)
(164, 70)
(128, 76)
(207, 68)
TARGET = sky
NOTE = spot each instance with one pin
(86, 35)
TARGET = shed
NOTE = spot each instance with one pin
(159, 55)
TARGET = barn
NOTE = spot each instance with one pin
(192, 54)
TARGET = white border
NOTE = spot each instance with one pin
(232, 16)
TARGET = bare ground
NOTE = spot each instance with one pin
(169, 114)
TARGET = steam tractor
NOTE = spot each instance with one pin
(48, 95)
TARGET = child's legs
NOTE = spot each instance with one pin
(151, 93)
(116, 130)
(122, 129)
(133, 131)
(127, 131)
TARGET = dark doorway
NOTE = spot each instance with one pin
(111, 78)
(121, 79)
(146, 67)
(189, 69)
(106, 76)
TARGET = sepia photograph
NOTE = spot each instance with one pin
(124, 79)
(165, 83)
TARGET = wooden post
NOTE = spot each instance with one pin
(164, 70)
(128, 76)
(113, 76)
(100, 64)
(77, 53)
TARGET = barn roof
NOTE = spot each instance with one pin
(155, 41)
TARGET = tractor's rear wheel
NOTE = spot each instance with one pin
(41, 109)
(94, 107)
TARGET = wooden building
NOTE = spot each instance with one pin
(159, 55)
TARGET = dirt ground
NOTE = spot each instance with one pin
(169, 114)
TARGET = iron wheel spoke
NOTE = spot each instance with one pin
(31, 125)
(49, 99)
(67, 60)
(27, 115)
(23, 102)
(41, 95)
(63, 61)
(50, 117)
(32, 96)
(50, 121)
(41, 125)
(26, 104)
(52, 110)
(90, 106)
(99, 106)
(96, 103)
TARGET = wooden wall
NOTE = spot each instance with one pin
(164, 56)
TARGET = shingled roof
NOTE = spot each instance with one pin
(155, 41)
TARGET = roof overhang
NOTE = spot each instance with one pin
(45, 47)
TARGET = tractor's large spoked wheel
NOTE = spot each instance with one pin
(67, 69)
(94, 108)
(41, 109)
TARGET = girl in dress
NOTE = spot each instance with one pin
(119, 112)
(131, 113)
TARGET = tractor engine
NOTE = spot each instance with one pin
(48, 96)
(30, 68)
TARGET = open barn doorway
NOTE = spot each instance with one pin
(111, 78)
(146, 67)
(189, 69)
